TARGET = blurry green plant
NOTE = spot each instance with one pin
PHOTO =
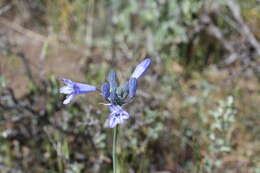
(220, 124)
(154, 26)
(2, 82)
(179, 127)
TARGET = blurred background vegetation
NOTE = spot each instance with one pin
(197, 109)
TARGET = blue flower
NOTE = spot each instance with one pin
(117, 116)
(73, 88)
(117, 95)
(141, 68)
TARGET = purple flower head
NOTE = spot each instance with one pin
(117, 116)
(73, 88)
(141, 68)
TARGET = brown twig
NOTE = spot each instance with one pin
(245, 30)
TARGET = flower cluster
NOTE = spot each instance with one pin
(115, 95)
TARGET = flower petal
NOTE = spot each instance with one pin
(113, 122)
(125, 115)
(81, 88)
(66, 90)
(68, 99)
(141, 68)
(117, 116)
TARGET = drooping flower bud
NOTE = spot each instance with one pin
(112, 79)
(105, 90)
(132, 87)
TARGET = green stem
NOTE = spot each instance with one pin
(115, 130)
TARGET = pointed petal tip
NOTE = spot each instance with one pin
(126, 115)
(68, 99)
(62, 79)
(66, 81)
(147, 60)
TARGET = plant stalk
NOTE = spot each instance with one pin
(115, 133)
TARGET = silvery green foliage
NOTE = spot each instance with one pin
(220, 122)
(2, 82)
(74, 168)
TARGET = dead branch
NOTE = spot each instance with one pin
(245, 30)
